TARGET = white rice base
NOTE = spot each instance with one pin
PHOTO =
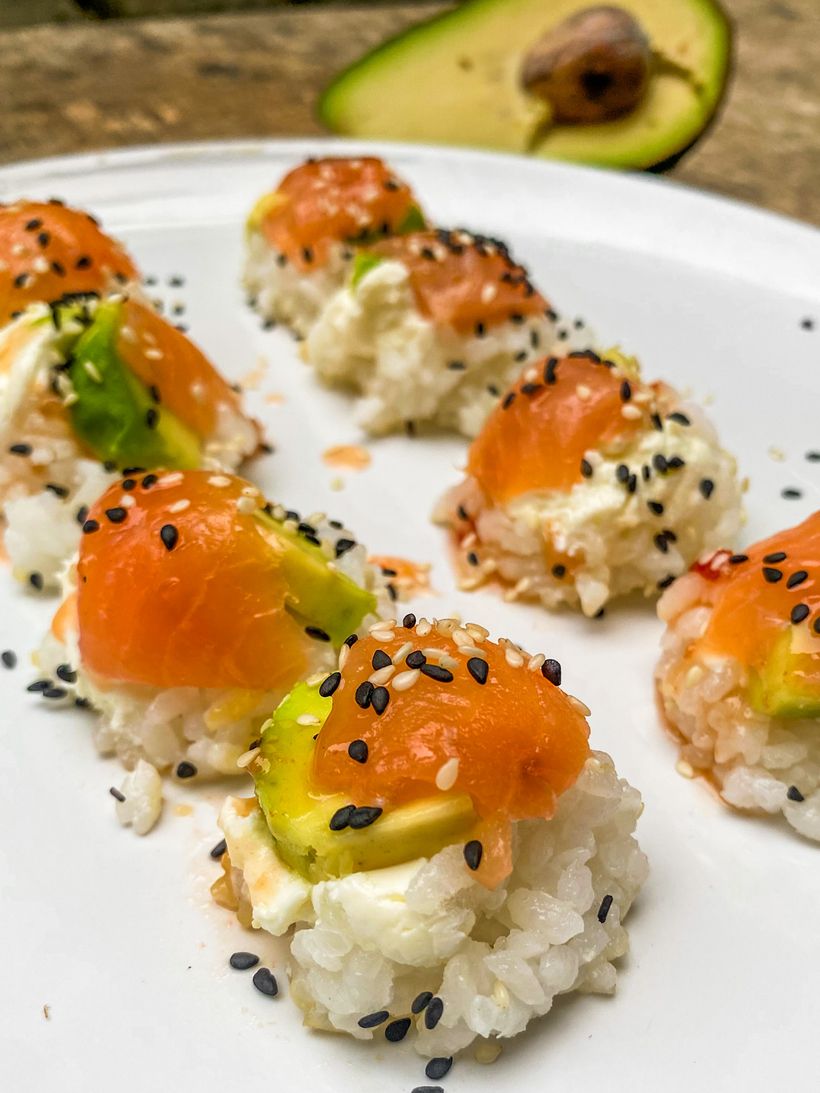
(142, 792)
(282, 293)
(373, 339)
(610, 531)
(208, 727)
(497, 959)
(42, 530)
(753, 758)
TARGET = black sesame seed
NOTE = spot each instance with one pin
(706, 487)
(380, 699)
(151, 417)
(307, 254)
(129, 484)
(33, 225)
(816, 625)
(36, 581)
(736, 559)
(38, 686)
(242, 961)
(351, 640)
(82, 703)
(508, 400)
(116, 515)
(317, 633)
(626, 391)
(21, 280)
(437, 1068)
(147, 482)
(473, 853)
(380, 659)
(559, 571)
(55, 692)
(89, 526)
(435, 671)
(58, 268)
(409, 621)
(807, 324)
(364, 694)
(456, 366)
(433, 1012)
(415, 659)
(777, 556)
(659, 463)
(603, 910)
(217, 851)
(646, 473)
(472, 557)
(794, 794)
(530, 388)
(116, 794)
(772, 575)
(796, 578)
(421, 1001)
(81, 514)
(799, 612)
(791, 494)
(479, 669)
(674, 463)
(549, 371)
(655, 507)
(680, 418)
(427, 1089)
(656, 422)
(343, 545)
(341, 817)
(622, 472)
(330, 684)
(169, 535)
(265, 982)
(480, 330)
(813, 457)
(357, 750)
(66, 673)
(371, 1020)
(551, 670)
(9, 658)
(83, 262)
(57, 490)
(185, 769)
(661, 542)
(397, 1030)
(20, 449)
(586, 468)
(364, 816)
(665, 582)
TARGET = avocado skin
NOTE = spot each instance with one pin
(779, 688)
(112, 408)
(299, 819)
(414, 37)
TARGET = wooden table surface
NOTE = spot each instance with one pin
(87, 85)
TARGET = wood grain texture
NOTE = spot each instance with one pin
(90, 85)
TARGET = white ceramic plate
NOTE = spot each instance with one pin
(117, 936)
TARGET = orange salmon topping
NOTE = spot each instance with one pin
(478, 722)
(538, 435)
(332, 200)
(464, 281)
(48, 250)
(184, 590)
(164, 359)
(770, 588)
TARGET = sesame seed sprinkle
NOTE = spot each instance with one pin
(169, 536)
(473, 853)
(603, 910)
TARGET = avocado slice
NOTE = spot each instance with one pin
(299, 819)
(456, 79)
(112, 411)
(319, 594)
(787, 685)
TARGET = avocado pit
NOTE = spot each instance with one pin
(593, 67)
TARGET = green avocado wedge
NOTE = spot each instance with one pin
(113, 412)
(782, 687)
(319, 594)
(299, 820)
(455, 79)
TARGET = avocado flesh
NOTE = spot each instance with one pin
(788, 684)
(318, 594)
(299, 819)
(111, 410)
(455, 80)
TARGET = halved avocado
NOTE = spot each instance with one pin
(457, 79)
(788, 685)
(319, 594)
(113, 412)
(299, 820)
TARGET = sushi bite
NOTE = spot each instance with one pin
(431, 819)
(739, 675)
(48, 250)
(300, 237)
(88, 385)
(192, 608)
(429, 329)
(588, 483)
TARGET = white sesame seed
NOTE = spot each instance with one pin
(172, 479)
(127, 334)
(470, 651)
(685, 769)
(246, 505)
(307, 719)
(405, 680)
(632, 413)
(534, 663)
(478, 633)
(219, 480)
(382, 675)
(402, 652)
(93, 371)
(513, 658)
(40, 264)
(578, 705)
(247, 757)
(489, 293)
(127, 501)
(344, 653)
(583, 392)
(423, 628)
(154, 354)
(250, 491)
(461, 637)
(447, 774)
(179, 506)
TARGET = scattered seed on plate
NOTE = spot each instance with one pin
(265, 982)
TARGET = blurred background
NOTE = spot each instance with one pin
(78, 75)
